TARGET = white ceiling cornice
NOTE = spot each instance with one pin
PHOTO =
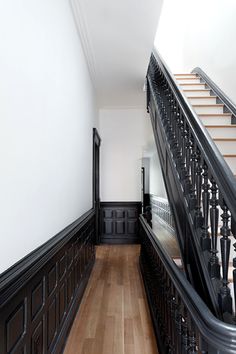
(117, 38)
(78, 12)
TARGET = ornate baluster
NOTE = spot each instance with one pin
(169, 320)
(192, 339)
(193, 163)
(169, 126)
(179, 152)
(174, 128)
(205, 239)
(166, 308)
(213, 265)
(233, 230)
(198, 213)
(234, 280)
(183, 172)
(225, 299)
(179, 325)
(187, 185)
(192, 197)
(184, 339)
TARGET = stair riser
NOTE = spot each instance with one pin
(231, 161)
(208, 100)
(226, 147)
(222, 132)
(204, 93)
(189, 81)
(184, 76)
(208, 110)
(221, 120)
(193, 87)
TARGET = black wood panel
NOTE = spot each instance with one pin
(119, 222)
(39, 296)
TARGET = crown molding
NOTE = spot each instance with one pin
(82, 27)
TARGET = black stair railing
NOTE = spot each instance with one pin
(182, 321)
(200, 186)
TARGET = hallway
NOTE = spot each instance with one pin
(113, 317)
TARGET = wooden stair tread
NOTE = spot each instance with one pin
(208, 105)
(221, 126)
(185, 74)
(224, 139)
(198, 90)
(229, 155)
(187, 78)
(215, 114)
(193, 84)
(202, 97)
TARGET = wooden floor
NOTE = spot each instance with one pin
(168, 240)
(113, 317)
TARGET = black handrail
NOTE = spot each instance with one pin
(209, 334)
(199, 185)
(216, 90)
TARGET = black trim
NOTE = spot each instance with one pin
(96, 181)
(188, 158)
(216, 162)
(167, 290)
(39, 295)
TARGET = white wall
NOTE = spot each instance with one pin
(156, 182)
(47, 112)
(200, 34)
(123, 137)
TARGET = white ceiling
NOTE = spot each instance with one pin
(117, 37)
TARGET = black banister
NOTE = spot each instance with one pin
(220, 169)
(200, 185)
(211, 334)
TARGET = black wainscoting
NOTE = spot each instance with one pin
(120, 222)
(40, 295)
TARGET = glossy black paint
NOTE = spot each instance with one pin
(96, 181)
(119, 222)
(183, 323)
(199, 183)
(40, 295)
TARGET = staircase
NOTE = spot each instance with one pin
(213, 114)
(219, 122)
(190, 117)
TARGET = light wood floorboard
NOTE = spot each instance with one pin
(113, 317)
(167, 239)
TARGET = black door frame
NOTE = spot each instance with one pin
(96, 183)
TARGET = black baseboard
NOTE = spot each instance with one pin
(40, 295)
(120, 222)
